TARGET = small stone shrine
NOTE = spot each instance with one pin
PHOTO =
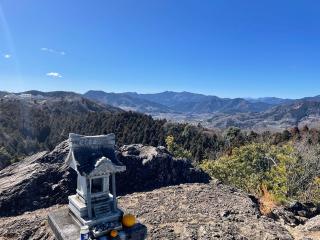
(94, 205)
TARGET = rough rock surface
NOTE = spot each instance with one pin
(30, 225)
(296, 213)
(309, 231)
(306, 210)
(39, 181)
(312, 224)
(43, 179)
(187, 211)
(149, 168)
(201, 211)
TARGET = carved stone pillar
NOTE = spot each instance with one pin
(114, 193)
(89, 199)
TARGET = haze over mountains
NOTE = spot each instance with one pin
(267, 113)
(177, 102)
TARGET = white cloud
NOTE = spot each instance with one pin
(7, 56)
(54, 75)
(50, 50)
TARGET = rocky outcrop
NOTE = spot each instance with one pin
(187, 211)
(308, 231)
(30, 225)
(302, 220)
(295, 213)
(43, 179)
(36, 182)
(201, 211)
(149, 168)
(312, 225)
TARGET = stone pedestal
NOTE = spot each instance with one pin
(63, 225)
(102, 210)
(66, 227)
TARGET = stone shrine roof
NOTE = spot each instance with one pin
(86, 151)
(86, 158)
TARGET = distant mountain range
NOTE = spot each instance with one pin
(267, 113)
(211, 111)
(127, 101)
(65, 102)
(177, 102)
(270, 100)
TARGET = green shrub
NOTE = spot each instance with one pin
(255, 165)
(176, 149)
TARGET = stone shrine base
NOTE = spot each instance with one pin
(65, 227)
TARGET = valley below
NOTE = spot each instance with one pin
(273, 114)
(263, 114)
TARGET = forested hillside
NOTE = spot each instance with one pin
(284, 165)
(28, 127)
(31, 126)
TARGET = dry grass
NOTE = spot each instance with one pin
(267, 201)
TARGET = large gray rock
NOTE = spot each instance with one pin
(150, 167)
(295, 213)
(309, 231)
(36, 182)
(30, 225)
(187, 211)
(201, 211)
(43, 179)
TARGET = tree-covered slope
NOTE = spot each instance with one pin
(31, 125)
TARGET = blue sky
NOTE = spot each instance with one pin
(229, 48)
